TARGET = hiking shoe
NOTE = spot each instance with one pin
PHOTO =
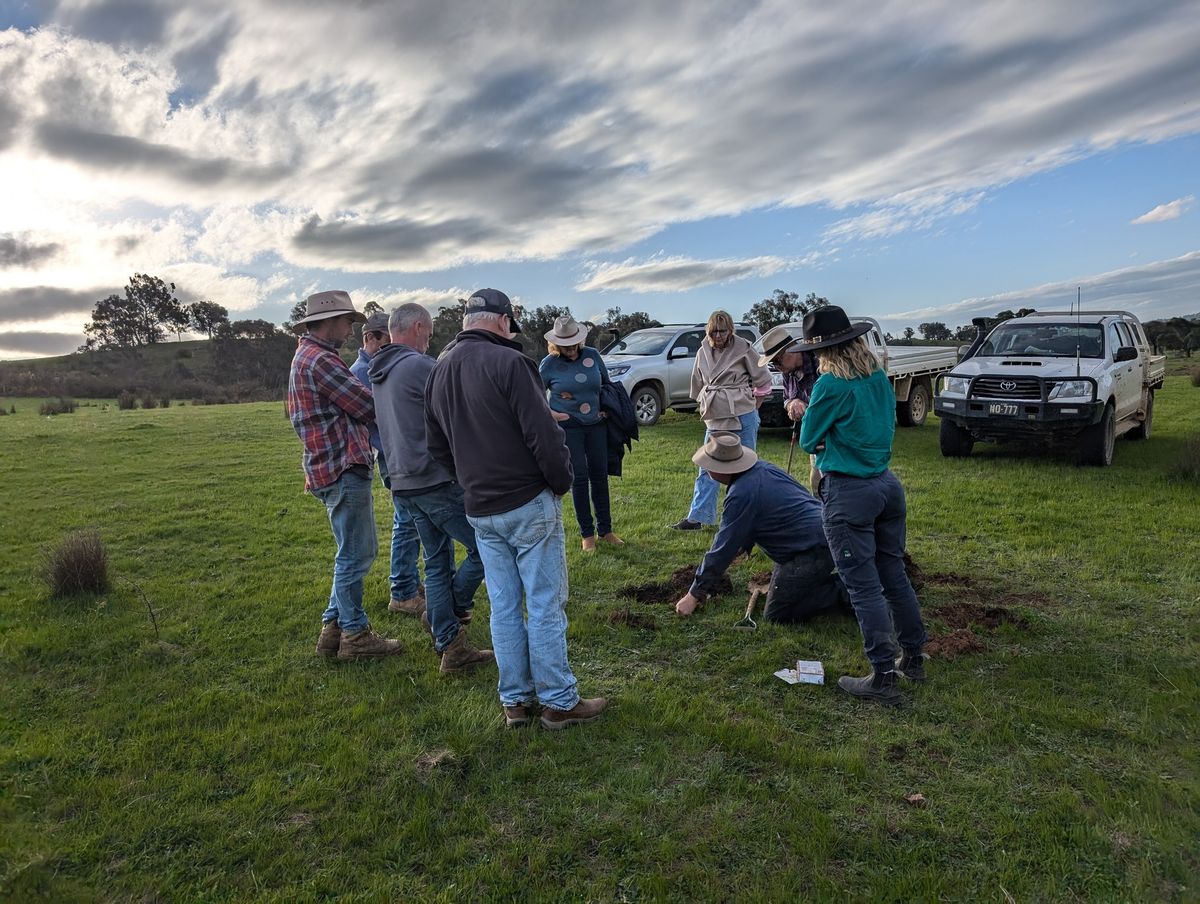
(413, 607)
(686, 524)
(366, 644)
(460, 656)
(516, 716)
(583, 711)
(911, 666)
(331, 637)
(879, 687)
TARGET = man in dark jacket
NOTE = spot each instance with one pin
(764, 506)
(487, 420)
(425, 489)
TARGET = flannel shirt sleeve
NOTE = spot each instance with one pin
(341, 388)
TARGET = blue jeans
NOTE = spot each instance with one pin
(405, 580)
(865, 526)
(523, 550)
(589, 460)
(352, 517)
(704, 496)
(440, 520)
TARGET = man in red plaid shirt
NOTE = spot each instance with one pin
(330, 410)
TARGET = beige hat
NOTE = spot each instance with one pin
(324, 305)
(725, 454)
(567, 332)
(776, 341)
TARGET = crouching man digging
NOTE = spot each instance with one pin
(426, 489)
(764, 506)
(330, 410)
(487, 419)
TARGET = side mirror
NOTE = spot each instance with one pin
(1126, 353)
(962, 351)
(679, 351)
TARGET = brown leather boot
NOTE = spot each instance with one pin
(460, 656)
(413, 607)
(516, 716)
(331, 637)
(583, 711)
(366, 644)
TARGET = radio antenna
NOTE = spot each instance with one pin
(1079, 298)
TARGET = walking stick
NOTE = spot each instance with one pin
(792, 445)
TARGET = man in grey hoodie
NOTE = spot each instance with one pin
(425, 488)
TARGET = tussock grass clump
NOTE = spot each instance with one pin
(3, 412)
(127, 401)
(58, 406)
(149, 401)
(79, 564)
(1186, 467)
(1195, 376)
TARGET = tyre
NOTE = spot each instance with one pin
(955, 442)
(1096, 442)
(914, 411)
(647, 405)
(1142, 430)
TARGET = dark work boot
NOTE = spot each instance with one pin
(911, 666)
(879, 687)
(686, 524)
(461, 656)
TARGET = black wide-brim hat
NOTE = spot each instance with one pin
(828, 326)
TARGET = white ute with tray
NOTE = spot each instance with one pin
(1071, 378)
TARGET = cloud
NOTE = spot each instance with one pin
(390, 299)
(19, 252)
(1163, 288)
(34, 343)
(1172, 210)
(676, 274)
(36, 303)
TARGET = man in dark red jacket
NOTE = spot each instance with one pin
(487, 420)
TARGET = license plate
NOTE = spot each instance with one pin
(1002, 408)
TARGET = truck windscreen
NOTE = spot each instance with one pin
(1045, 340)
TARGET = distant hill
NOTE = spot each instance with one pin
(216, 370)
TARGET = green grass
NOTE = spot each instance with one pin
(228, 763)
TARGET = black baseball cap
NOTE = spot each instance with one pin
(492, 301)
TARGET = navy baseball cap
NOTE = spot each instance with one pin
(492, 301)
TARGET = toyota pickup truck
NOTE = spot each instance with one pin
(912, 371)
(655, 366)
(1076, 379)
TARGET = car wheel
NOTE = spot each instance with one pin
(914, 411)
(647, 405)
(1142, 430)
(1096, 443)
(954, 441)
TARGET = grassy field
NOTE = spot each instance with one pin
(1059, 761)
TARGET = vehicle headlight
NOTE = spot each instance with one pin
(955, 385)
(618, 370)
(1071, 389)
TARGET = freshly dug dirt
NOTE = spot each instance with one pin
(633, 619)
(959, 642)
(670, 590)
(948, 579)
(916, 575)
(759, 579)
(966, 615)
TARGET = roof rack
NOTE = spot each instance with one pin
(1074, 313)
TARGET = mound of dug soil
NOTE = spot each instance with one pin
(964, 615)
(959, 642)
(670, 590)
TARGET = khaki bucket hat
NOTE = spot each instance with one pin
(725, 454)
(567, 331)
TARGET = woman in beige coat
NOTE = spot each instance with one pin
(729, 385)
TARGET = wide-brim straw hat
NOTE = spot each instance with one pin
(826, 327)
(725, 454)
(775, 342)
(567, 332)
(324, 305)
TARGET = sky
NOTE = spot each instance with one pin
(912, 161)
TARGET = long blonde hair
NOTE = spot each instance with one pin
(849, 360)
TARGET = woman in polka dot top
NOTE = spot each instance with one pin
(573, 374)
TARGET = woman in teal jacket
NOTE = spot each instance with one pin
(849, 425)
